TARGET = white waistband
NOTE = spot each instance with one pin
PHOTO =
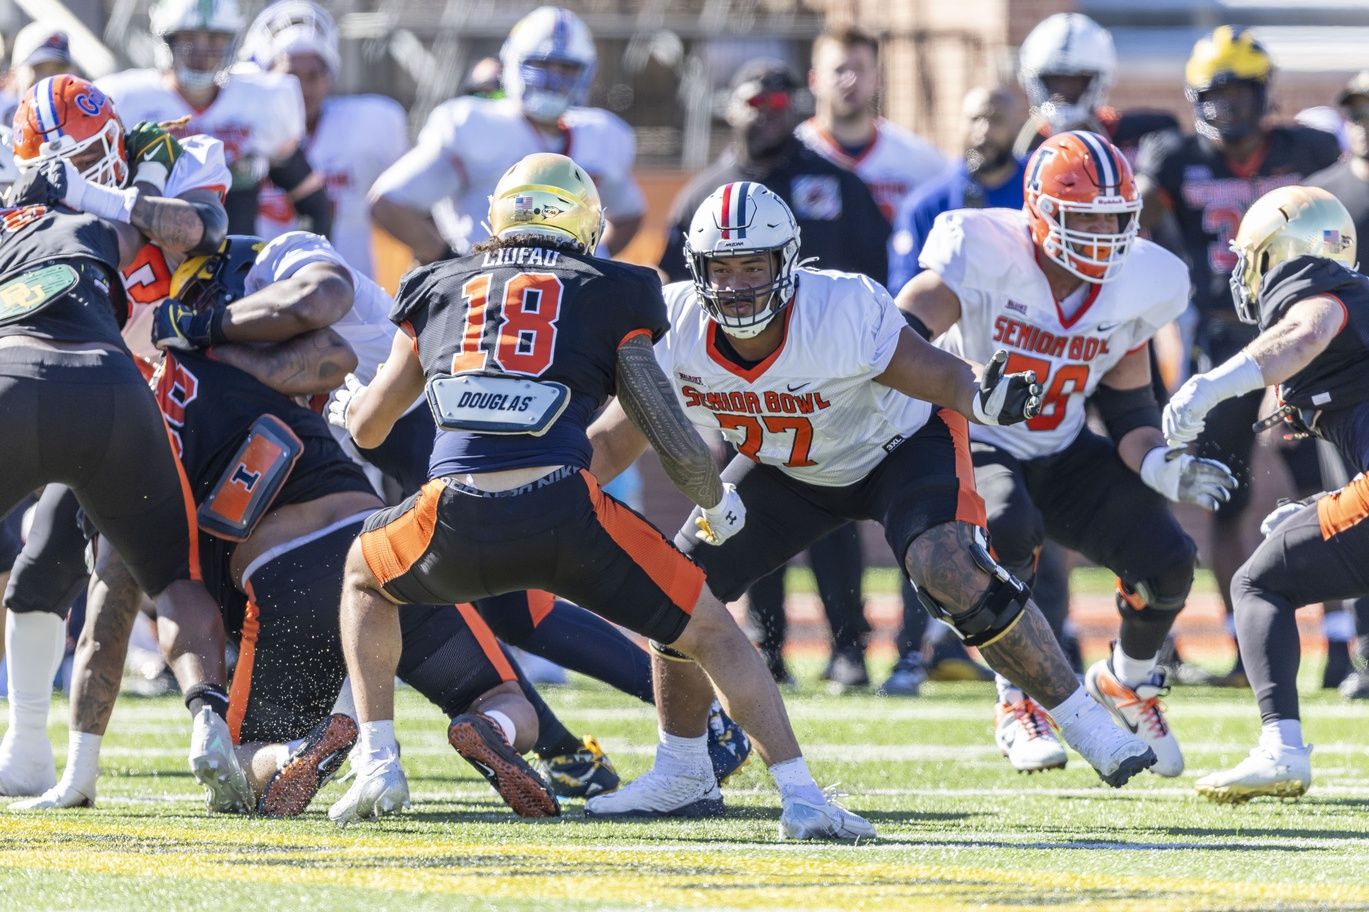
(271, 554)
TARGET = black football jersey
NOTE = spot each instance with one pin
(1124, 129)
(85, 290)
(537, 312)
(1209, 194)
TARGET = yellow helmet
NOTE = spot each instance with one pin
(217, 279)
(1284, 224)
(1227, 55)
(548, 194)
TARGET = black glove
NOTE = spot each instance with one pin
(176, 325)
(1005, 399)
(44, 185)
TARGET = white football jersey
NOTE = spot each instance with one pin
(473, 141)
(811, 409)
(259, 117)
(987, 257)
(348, 168)
(147, 280)
(893, 165)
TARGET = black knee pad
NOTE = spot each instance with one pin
(997, 610)
(1016, 539)
(1162, 593)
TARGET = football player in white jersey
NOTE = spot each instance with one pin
(846, 130)
(259, 117)
(299, 38)
(1067, 287)
(468, 143)
(814, 377)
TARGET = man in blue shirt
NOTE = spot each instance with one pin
(987, 175)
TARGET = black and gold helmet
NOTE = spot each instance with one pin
(1229, 56)
(217, 279)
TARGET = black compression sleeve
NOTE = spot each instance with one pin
(916, 325)
(1123, 411)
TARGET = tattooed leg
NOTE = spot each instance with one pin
(111, 608)
(940, 563)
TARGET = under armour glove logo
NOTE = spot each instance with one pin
(723, 520)
(1004, 398)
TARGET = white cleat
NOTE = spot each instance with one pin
(684, 793)
(1266, 773)
(377, 791)
(1024, 735)
(1114, 753)
(62, 795)
(215, 766)
(26, 765)
(802, 819)
(1139, 711)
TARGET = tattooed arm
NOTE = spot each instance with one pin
(314, 297)
(645, 395)
(194, 222)
(314, 362)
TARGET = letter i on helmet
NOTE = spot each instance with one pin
(174, 20)
(1228, 56)
(1072, 174)
(548, 35)
(66, 117)
(743, 219)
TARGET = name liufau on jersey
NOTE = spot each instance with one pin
(809, 409)
(987, 258)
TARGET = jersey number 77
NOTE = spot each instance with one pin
(523, 319)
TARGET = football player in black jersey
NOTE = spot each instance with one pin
(517, 346)
(1294, 279)
(1196, 189)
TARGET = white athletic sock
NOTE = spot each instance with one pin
(678, 753)
(1075, 705)
(83, 761)
(34, 643)
(1008, 692)
(1131, 671)
(376, 743)
(1283, 733)
(795, 781)
(504, 722)
(344, 703)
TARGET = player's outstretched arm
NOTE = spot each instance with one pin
(645, 395)
(316, 296)
(928, 304)
(617, 443)
(371, 411)
(310, 363)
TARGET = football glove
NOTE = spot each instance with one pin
(1284, 512)
(177, 325)
(724, 520)
(342, 400)
(57, 182)
(1186, 414)
(153, 152)
(1005, 399)
(1183, 478)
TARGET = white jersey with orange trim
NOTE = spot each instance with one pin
(812, 408)
(468, 143)
(987, 257)
(259, 117)
(147, 280)
(895, 163)
(348, 166)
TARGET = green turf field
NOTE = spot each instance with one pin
(958, 828)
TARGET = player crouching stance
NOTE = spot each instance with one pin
(816, 379)
(1295, 278)
(517, 346)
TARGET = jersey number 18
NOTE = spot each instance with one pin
(525, 324)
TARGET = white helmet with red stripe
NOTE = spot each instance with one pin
(743, 219)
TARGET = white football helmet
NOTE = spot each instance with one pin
(292, 27)
(742, 219)
(171, 17)
(555, 35)
(1067, 44)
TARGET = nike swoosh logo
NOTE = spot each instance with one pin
(1104, 327)
(795, 389)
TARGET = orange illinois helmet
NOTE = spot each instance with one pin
(1070, 176)
(65, 117)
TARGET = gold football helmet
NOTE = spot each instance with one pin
(548, 194)
(1283, 224)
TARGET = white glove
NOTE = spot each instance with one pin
(1284, 512)
(342, 400)
(721, 522)
(1186, 413)
(1188, 479)
(80, 194)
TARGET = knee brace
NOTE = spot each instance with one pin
(997, 610)
(1158, 594)
(665, 652)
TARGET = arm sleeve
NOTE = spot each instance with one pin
(314, 210)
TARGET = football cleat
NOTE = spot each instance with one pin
(846, 670)
(215, 766)
(582, 773)
(657, 794)
(26, 764)
(1139, 711)
(309, 768)
(480, 741)
(60, 796)
(1338, 665)
(1285, 773)
(950, 662)
(907, 678)
(1114, 753)
(1355, 686)
(728, 746)
(1024, 735)
(802, 819)
(378, 790)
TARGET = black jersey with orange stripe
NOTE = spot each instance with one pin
(1209, 194)
(539, 312)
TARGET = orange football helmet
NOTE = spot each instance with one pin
(65, 117)
(1072, 174)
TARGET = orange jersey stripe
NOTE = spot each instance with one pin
(241, 690)
(1347, 507)
(539, 605)
(192, 526)
(488, 644)
(676, 575)
(393, 548)
(969, 506)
